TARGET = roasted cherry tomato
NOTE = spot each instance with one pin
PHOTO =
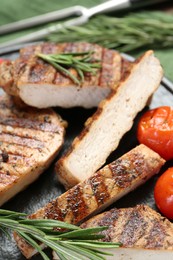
(155, 130)
(163, 193)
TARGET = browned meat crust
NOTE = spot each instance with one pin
(113, 118)
(30, 69)
(101, 189)
(139, 227)
(29, 141)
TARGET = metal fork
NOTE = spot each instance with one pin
(83, 13)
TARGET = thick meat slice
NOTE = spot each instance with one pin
(114, 117)
(133, 254)
(100, 190)
(40, 85)
(29, 141)
(139, 227)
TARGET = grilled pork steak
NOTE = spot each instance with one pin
(139, 227)
(114, 117)
(29, 141)
(40, 85)
(100, 190)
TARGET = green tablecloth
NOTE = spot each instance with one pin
(13, 10)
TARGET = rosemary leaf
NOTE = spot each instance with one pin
(5, 232)
(49, 223)
(82, 62)
(74, 243)
(84, 251)
(11, 214)
(33, 244)
(83, 232)
(57, 247)
(133, 31)
(16, 226)
(96, 244)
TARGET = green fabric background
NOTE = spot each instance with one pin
(13, 10)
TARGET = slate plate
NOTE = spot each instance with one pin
(47, 187)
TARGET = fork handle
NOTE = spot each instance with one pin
(108, 6)
(115, 5)
(147, 2)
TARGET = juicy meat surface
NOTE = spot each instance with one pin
(40, 85)
(139, 227)
(29, 141)
(113, 118)
(100, 190)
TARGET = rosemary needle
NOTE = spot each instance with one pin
(74, 243)
(82, 62)
(127, 33)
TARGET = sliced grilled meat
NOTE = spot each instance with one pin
(133, 254)
(40, 85)
(100, 190)
(114, 117)
(29, 141)
(139, 227)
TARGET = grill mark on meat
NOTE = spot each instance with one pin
(133, 229)
(26, 53)
(109, 219)
(53, 211)
(20, 140)
(79, 202)
(62, 79)
(32, 137)
(71, 47)
(124, 171)
(76, 204)
(107, 76)
(139, 227)
(39, 71)
(30, 124)
(16, 150)
(57, 77)
(49, 48)
(101, 69)
(26, 152)
(156, 235)
(19, 68)
(99, 188)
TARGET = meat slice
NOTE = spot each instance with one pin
(100, 190)
(114, 117)
(40, 85)
(29, 141)
(133, 254)
(143, 232)
(138, 227)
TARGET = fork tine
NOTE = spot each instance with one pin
(41, 19)
(41, 34)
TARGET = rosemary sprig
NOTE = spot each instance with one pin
(145, 29)
(82, 62)
(74, 243)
